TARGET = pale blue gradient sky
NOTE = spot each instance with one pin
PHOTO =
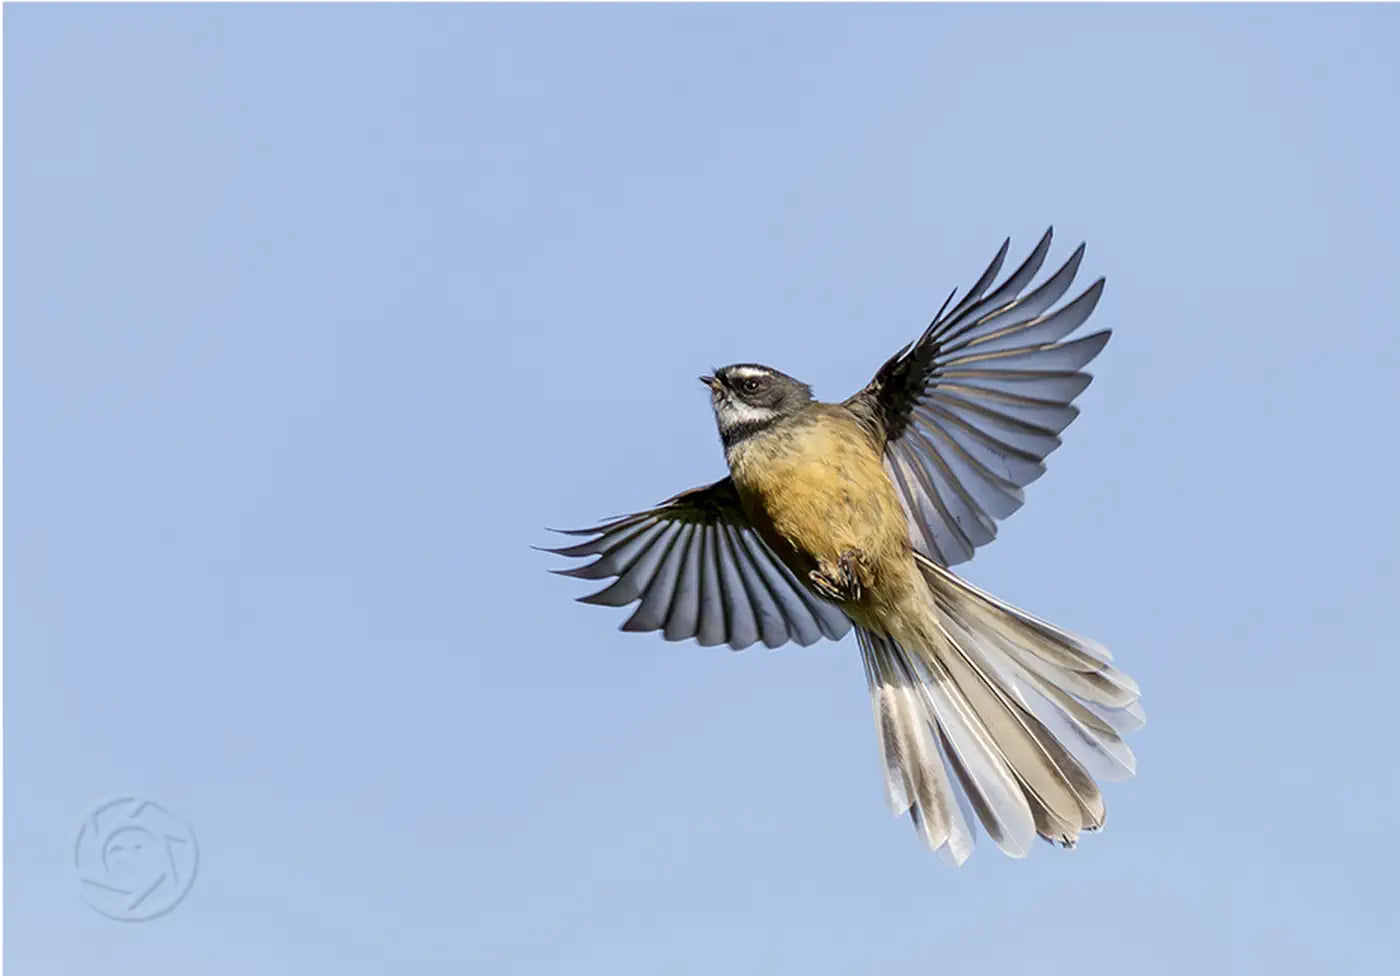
(317, 315)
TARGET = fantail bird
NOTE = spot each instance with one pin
(836, 514)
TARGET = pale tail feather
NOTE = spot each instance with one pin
(916, 778)
(988, 709)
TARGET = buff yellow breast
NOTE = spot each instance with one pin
(815, 486)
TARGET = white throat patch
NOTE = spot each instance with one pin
(732, 412)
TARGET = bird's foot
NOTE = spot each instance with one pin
(842, 581)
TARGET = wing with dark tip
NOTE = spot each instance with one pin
(970, 410)
(698, 569)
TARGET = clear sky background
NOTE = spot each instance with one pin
(316, 316)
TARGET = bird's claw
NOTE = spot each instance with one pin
(842, 581)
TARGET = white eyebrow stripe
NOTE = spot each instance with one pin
(748, 372)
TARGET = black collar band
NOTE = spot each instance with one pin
(743, 430)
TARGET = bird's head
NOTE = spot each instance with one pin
(748, 397)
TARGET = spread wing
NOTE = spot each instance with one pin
(970, 409)
(700, 570)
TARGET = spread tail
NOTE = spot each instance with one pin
(987, 712)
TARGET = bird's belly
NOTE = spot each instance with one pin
(819, 491)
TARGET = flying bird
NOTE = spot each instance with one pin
(851, 514)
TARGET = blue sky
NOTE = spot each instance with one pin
(316, 316)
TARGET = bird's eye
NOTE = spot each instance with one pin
(751, 385)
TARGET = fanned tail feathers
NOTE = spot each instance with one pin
(989, 712)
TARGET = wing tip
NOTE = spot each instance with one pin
(584, 572)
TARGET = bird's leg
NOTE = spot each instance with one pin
(842, 581)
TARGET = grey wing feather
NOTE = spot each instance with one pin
(970, 410)
(699, 569)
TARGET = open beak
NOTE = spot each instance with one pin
(710, 381)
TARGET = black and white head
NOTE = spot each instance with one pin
(748, 397)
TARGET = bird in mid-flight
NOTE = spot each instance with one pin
(850, 514)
